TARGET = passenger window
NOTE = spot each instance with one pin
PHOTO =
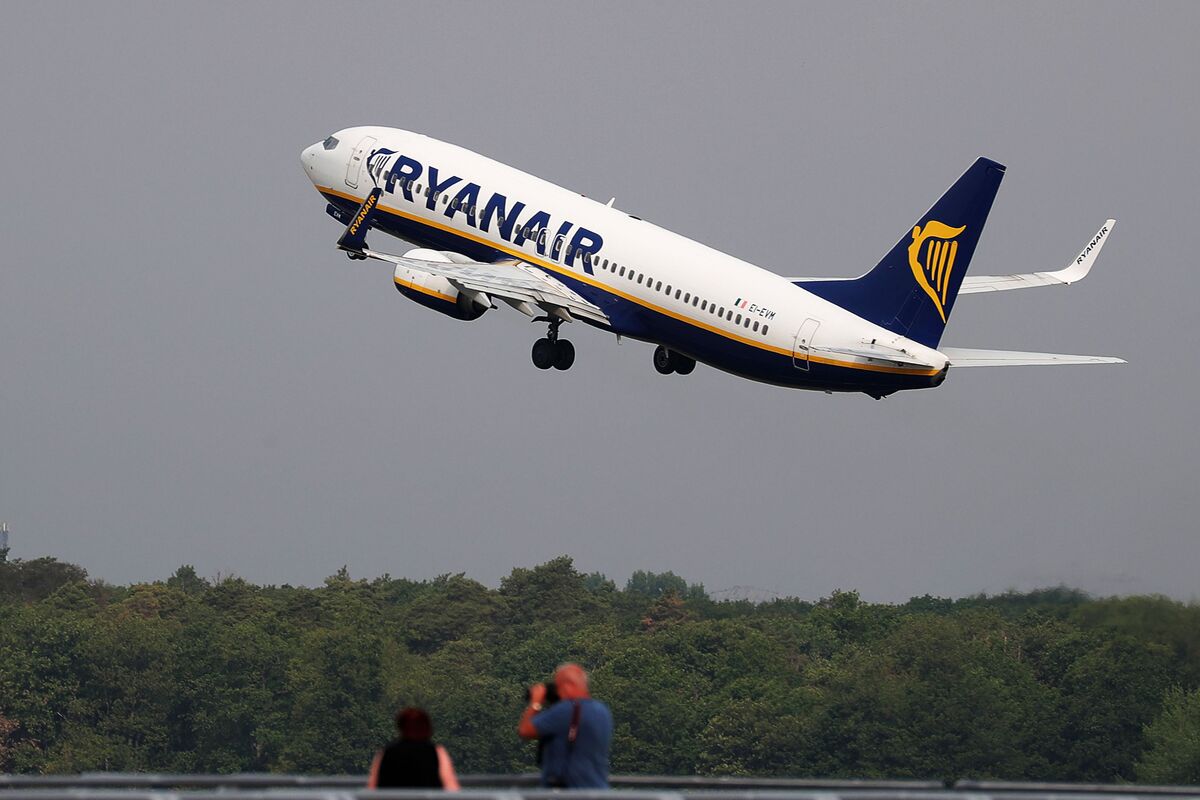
(677, 293)
(765, 329)
(747, 323)
(721, 313)
(756, 327)
(730, 314)
(445, 199)
(622, 273)
(704, 306)
(454, 204)
(738, 321)
(604, 264)
(687, 297)
(499, 219)
(418, 188)
(639, 279)
(668, 289)
(696, 301)
(658, 288)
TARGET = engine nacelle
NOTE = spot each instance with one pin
(434, 291)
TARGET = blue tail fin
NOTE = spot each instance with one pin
(911, 291)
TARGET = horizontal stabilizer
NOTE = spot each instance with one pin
(1077, 270)
(964, 357)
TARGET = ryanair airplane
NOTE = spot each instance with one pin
(487, 233)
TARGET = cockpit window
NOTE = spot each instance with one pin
(330, 143)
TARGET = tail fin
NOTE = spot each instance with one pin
(912, 290)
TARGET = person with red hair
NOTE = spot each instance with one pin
(412, 760)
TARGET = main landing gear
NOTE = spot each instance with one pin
(668, 361)
(553, 351)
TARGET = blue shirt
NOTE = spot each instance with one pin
(583, 765)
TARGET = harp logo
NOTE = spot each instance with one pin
(931, 257)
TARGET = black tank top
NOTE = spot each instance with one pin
(409, 764)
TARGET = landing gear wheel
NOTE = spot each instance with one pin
(683, 364)
(356, 256)
(564, 354)
(664, 360)
(544, 354)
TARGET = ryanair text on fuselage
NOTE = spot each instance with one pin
(392, 170)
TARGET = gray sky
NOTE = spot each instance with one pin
(190, 373)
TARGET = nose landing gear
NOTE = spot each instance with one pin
(553, 351)
(668, 361)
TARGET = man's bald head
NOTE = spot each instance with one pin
(571, 681)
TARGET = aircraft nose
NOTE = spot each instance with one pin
(308, 158)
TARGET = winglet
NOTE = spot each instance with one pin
(354, 239)
(1082, 265)
(1074, 272)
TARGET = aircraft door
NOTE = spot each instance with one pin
(803, 346)
(354, 166)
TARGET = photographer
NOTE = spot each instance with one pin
(575, 732)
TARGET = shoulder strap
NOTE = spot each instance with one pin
(573, 731)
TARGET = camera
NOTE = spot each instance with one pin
(551, 694)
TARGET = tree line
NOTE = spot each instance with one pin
(196, 675)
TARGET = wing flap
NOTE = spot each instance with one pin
(1077, 270)
(518, 284)
(964, 357)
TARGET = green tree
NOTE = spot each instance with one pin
(30, 581)
(554, 592)
(447, 610)
(1109, 695)
(1172, 754)
(187, 581)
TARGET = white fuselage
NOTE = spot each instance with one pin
(719, 309)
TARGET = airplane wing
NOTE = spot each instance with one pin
(521, 286)
(1077, 270)
(963, 357)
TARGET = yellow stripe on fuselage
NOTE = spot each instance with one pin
(583, 278)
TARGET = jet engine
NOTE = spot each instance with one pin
(434, 291)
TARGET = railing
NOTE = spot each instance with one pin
(260, 786)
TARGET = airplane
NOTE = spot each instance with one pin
(487, 233)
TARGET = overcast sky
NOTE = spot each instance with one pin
(190, 373)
